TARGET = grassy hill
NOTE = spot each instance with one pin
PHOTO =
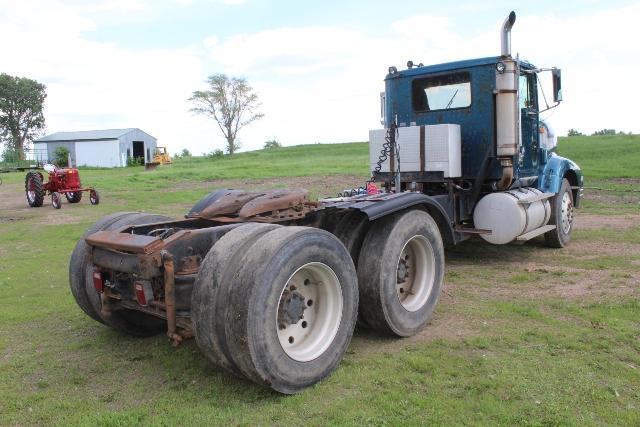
(601, 157)
(604, 157)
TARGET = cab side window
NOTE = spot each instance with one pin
(526, 92)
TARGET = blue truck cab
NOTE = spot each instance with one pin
(463, 93)
(495, 102)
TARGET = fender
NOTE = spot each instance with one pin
(440, 208)
(557, 168)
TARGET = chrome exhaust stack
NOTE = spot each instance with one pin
(505, 35)
(507, 111)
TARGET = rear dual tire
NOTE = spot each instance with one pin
(289, 308)
(88, 299)
(400, 273)
(210, 294)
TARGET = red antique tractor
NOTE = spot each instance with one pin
(61, 181)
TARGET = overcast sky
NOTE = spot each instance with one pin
(318, 66)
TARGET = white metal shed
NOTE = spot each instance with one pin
(100, 148)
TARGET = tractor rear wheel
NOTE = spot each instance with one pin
(400, 272)
(73, 197)
(81, 279)
(211, 291)
(34, 189)
(293, 308)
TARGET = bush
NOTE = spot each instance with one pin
(185, 153)
(62, 157)
(573, 132)
(272, 144)
(135, 161)
(216, 154)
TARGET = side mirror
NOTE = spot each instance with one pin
(556, 75)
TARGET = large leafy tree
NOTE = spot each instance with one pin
(21, 111)
(231, 102)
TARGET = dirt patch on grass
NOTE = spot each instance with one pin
(534, 281)
(596, 248)
(327, 186)
(14, 207)
(12, 197)
(9, 219)
(612, 197)
(591, 222)
(625, 181)
(446, 325)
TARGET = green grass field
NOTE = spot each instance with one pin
(522, 335)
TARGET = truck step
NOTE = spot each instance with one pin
(534, 199)
(534, 233)
(472, 230)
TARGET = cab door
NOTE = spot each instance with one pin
(529, 142)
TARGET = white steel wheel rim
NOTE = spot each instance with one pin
(567, 213)
(415, 273)
(309, 337)
(31, 194)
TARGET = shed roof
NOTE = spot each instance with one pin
(86, 135)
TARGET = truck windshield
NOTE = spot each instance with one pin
(442, 92)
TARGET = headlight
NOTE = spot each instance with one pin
(500, 67)
(393, 70)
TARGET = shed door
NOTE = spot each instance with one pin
(98, 153)
(138, 150)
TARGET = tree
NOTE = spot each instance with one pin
(21, 111)
(186, 153)
(604, 132)
(573, 132)
(274, 143)
(231, 102)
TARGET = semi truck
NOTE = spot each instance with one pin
(272, 283)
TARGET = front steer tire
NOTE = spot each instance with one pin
(561, 217)
(266, 311)
(406, 244)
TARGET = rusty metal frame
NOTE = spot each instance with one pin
(170, 298)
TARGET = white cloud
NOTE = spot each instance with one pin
(317, 83)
